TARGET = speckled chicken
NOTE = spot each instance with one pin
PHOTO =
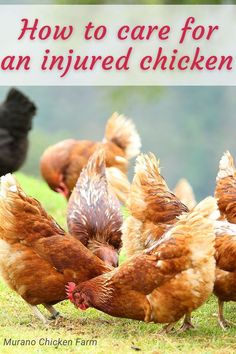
(93, 214)
(61, 164)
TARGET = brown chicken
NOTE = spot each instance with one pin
(168, 281)
(152, 206)
(37, 258)
(61, 164)
(225, 188)
(184, 192)
(93, 214)
(225, 284)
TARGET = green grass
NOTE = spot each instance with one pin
(54, 203)
(113, 335)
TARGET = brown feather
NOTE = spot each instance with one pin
(225, 283)
(184, 192)
(153, 207)
(225, 191)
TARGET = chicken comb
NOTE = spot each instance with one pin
(70, 287)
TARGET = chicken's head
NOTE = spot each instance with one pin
(77, 296)
(62, 189)
(108, 254)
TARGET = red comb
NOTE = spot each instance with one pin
(70, 287)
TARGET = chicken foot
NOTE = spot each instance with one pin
(187, 324)
(54, 313)
(168, 328)
(224, 324)
(41, 317)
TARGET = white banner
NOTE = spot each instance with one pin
(117, 45)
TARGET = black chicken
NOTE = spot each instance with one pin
(16, 114)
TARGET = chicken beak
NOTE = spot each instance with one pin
(62, 189)
(108, 255)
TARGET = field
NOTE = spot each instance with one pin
(94, 332)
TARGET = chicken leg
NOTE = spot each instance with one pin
(168, 328)
(52, 311)
(224, 324)
(187, 324)
(38, 314)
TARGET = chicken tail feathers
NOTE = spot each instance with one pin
(147, 178)
(16, 207)
(119, 183)
(226, 166)
(152, 206)
(93, 210)
(18, 102)
(95, 167)
(225, 191)
(150, 198)
(8, 184)
(122, 132)
(184, 191)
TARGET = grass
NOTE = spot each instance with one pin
(54, 203)
(113, 335)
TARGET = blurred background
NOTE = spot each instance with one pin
(188, 128)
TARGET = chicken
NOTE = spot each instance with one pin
(225, 188)
(184, 192)
(152, 206)
(225, 284)
(171, 279)
(61, 164)
(16, 114)
(93, 214)
(37, 258)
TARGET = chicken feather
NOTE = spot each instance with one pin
(225, 191)
(184, 192)
(153, 207)
(93, 214)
